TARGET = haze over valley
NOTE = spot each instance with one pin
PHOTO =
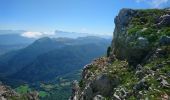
(85, 50)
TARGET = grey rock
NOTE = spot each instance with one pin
(75, 91)
(164, 84)
(6, 92)
(168, 62)
(33, 95)
(140, 74)
(98, 97)
(120, 44)
(142, 42)
(139, 67)
(159, 66)
(104, 85)
(165, 40)
(141, 85)
(87, 93)
(160, 52)
(164, 20)
(121, 93)
(168, 74)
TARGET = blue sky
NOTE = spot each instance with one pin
(90, 16)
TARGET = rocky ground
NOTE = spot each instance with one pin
(138, 65)
(6, 93)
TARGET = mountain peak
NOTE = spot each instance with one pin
(137, 66)
(43, 39)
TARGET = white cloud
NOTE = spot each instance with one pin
(153, 3)
(32, 34)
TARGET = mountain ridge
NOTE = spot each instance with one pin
(22, 64)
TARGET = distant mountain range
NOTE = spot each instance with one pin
(46, 58)
(14, 39)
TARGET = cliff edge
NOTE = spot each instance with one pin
(138, 62)
(7, 93)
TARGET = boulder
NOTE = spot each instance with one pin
(164, 20)
(121, 93)
(87, 94)
(75, 90)
(165, 40)
(104, 84)
(140, 74)
(164, 84)
(141, 85)
(142, 42)
(98, 97)
(33, 95)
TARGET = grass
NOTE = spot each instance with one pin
(43, 94)
(148, 19)
(23, 89)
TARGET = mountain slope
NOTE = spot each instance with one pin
(60, 61)
(48, 57)
(138, 62)
(11, 63)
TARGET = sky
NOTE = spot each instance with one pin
(85, 16)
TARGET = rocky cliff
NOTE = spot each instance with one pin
(138, 62)
(7, 93)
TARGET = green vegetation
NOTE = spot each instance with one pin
(60, 88)
(93, 68)
(43, 94)
(81, 84)
(165, 31)
(23, 89)
(108, 51)
(144, 24)
(134, 30)
(129, 77)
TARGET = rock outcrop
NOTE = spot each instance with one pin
(137, 65)
(7, 93)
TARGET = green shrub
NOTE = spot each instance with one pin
(134, 30)
(108, 51)
(148, 12)
(81, 83)
(165, 31)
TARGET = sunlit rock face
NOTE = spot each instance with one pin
(137, 32)
(137, 66)
(121, 40)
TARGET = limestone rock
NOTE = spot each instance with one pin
(121, 41)
(165, 40)
(142, 42)
(75, 91)
(104, 85)
(32, 95)
(142, 84)
(98, 97)
(164, 20)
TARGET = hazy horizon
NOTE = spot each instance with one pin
(81, 16)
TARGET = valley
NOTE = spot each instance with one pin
(49, 65)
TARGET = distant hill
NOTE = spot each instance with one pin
(12, 40)
(46, 58)
(69, 34)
